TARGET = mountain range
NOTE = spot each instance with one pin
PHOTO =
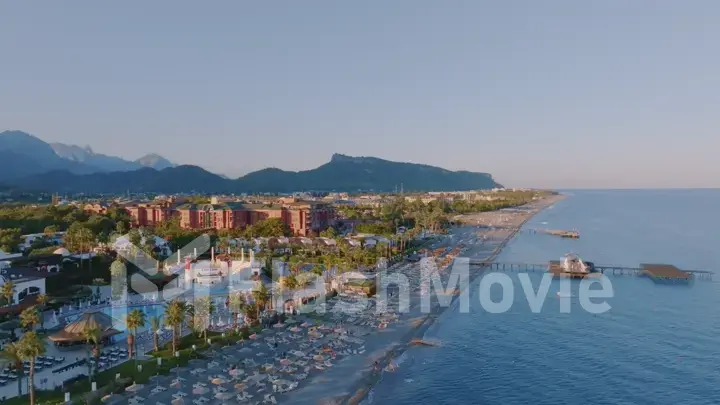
(22, 154)
(30, 163)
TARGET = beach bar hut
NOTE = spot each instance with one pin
(72, 334)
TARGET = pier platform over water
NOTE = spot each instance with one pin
(557, 232)
(659, 273)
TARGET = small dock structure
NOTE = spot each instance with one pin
(558, 232)
(665, 274)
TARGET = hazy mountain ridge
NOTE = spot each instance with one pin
(380, 175)
(30, 163)
(60, 156)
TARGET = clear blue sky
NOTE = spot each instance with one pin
(539, 93)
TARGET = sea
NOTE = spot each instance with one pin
(657, 344)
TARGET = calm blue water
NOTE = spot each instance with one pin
(658, 344)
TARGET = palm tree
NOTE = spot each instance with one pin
(93, 337)
(7, 291)
(135, 319)
(29, 317)
(203, 312)
(118, 275)
(155, 326)
(42, 301)
(12, 356)
(189, 316)
(174, 317)
(237, 305)
(31, 346)
(261, 296)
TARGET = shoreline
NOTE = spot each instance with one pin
(365, 384)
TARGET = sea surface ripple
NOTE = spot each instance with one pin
(658, 344)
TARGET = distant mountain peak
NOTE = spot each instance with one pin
(154, 161)
(340, 158)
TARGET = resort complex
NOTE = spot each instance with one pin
(188, 298)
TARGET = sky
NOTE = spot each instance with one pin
(552, 93)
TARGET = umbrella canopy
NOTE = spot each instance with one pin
(239, 386)
(219, 381)
(236, 372)
(224, 395)
(134, 388)
(200, 391)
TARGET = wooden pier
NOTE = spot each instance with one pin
(659, 273)
(557, 232)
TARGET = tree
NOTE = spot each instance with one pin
(189, 316)
(29, 317)
(31, 347)
(10, 239)
(7, 291)
(237, 305)
(41, 302)
(118, 276)
(261, 296)
(289, 283)
(135, 237)
(135, 319)
(329, 233)
(155, 326)
(78, 237)
(272, 227)
(121, 227)
(50, 231)
(93, 338)
(174, 317)
(204, 309)
(11, 355)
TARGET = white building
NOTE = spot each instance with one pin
(26, 283)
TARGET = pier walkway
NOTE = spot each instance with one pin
(657, 272)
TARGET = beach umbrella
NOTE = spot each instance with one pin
(223, 395)
(239, 386)
(134, 388)
(236, 372)
(200, 391)
(177, 401)
(218, 381)
(285, 362)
